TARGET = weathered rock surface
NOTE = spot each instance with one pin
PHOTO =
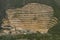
(33, 16)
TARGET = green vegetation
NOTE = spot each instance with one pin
(36, 36)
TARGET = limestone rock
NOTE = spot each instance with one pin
(33, 16)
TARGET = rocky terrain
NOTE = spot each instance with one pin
(33, 17)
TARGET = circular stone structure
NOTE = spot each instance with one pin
(33, 16)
